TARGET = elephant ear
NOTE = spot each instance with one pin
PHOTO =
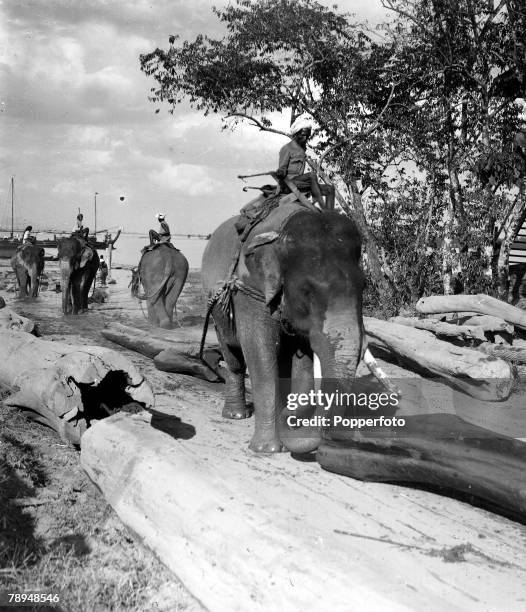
(267, 263)
(260, 239)
(85, 256)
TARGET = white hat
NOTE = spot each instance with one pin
(301, 123)
(159, 216)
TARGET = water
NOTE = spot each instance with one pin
(127, 250)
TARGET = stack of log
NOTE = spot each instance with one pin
(472, 342)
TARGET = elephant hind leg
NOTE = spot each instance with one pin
(235, 405)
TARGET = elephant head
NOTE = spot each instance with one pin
(310, 271)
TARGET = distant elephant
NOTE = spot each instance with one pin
(28, 263)
(298, 302)
(78, 267)
(162, 272)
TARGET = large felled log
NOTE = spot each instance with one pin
(67, 387)
(483, 304)
(249, 533)
(487, 323)
(440, 328)
(465, 369)
(174, 351)
(509, 353)
(440, 450)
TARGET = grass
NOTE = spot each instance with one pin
(57, 534)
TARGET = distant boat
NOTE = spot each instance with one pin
(9, 245)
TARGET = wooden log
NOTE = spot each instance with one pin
(151, 342)
(459, 332)
(135, 340)
(9, 319)
(246, 532)
(487, 323)
(439, 450)
(66, 386)
(509, 353)
(483, 304)
(485, 378)
(174, 351)
(172, 360)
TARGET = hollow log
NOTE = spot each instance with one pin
(483, 304)
(440, 328)
(172, 351)
(485, 378)
(439, 450)
(68, 387)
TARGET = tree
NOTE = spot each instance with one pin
(286, 55)
(460, 68)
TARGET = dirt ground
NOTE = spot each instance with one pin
(56, 531)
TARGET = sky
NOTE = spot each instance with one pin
(75, 119)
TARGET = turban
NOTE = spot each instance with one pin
(301, 123)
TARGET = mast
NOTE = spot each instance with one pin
(12, 204)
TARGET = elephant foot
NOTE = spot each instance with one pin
(237, 411)
(265, 445)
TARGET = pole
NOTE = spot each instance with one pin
(95, 232)
(12, 205)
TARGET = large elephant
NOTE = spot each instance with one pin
(28, 264)
(162, 272)
(78, 267)
(298, 302)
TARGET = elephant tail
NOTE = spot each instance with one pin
(135, 284)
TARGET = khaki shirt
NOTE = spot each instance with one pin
(292, 159)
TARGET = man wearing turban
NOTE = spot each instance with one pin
(292, 160)
(163, 235)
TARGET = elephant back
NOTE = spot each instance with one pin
(158, 270)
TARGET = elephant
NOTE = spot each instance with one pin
(28, 264)
(78, 267)
(162, 271)
(296, 309)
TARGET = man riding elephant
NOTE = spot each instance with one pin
(163, 235)
(292, 161)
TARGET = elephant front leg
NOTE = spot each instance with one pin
(259, 336)
(235, 405)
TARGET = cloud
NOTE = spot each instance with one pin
(76, 117)
(190, 179)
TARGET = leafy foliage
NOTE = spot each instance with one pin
(416, 124)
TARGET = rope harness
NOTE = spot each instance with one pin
(224, 295)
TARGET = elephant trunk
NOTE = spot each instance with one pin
(66, 271)
(337, 351)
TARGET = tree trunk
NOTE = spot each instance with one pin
(509, 231)
(481, 303)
